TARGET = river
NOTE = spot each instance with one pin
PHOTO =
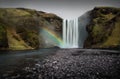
(13, 60)
(60, 64)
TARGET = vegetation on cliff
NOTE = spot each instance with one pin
(3, 37)
(20, 28)
(104, 28)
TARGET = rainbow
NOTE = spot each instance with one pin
(54, 36)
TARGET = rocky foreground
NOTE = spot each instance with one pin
(73, 64)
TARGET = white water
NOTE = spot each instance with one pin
(70, 33)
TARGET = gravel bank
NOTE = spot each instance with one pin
(72, 64)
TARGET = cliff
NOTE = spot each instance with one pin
(104, 28)
(20, 28)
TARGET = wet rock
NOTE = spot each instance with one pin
(63, 65)
(54, 62)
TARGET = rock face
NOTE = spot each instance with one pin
(104, 28)
(83, 21)
(20, 28)
(51, 30)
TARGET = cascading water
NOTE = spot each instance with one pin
(74, 31)
(70, 33)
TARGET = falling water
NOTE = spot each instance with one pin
(70, 33)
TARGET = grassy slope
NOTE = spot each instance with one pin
(3, 37)
(13, 20)
(114, 38)
(104, 29)
(23, 27)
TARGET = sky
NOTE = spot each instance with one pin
(66, 9)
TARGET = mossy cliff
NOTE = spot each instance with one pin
(104, 28)
(50, 25)
(20, 28)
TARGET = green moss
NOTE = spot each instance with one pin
(31, 38)
(14, 40)
(28, 31)
(16, 12)
(23, 26)
(114, 39)
(104, 29)
(2, 31)
(31, 11)
(97, 30)
(3, 37)
(9, 13)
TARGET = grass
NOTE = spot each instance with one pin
(105, 26)
(114, 39)
(17, 12)
(14, 40)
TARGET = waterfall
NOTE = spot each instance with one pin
(70, 33)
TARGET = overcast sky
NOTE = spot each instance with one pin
(63, 8)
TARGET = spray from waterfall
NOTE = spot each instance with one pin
(74, 31)
(70, 33)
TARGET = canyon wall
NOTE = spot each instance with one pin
(104, 28)
(20, 28)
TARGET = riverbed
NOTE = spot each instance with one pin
(60, 64)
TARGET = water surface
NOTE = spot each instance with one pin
(14, 60)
